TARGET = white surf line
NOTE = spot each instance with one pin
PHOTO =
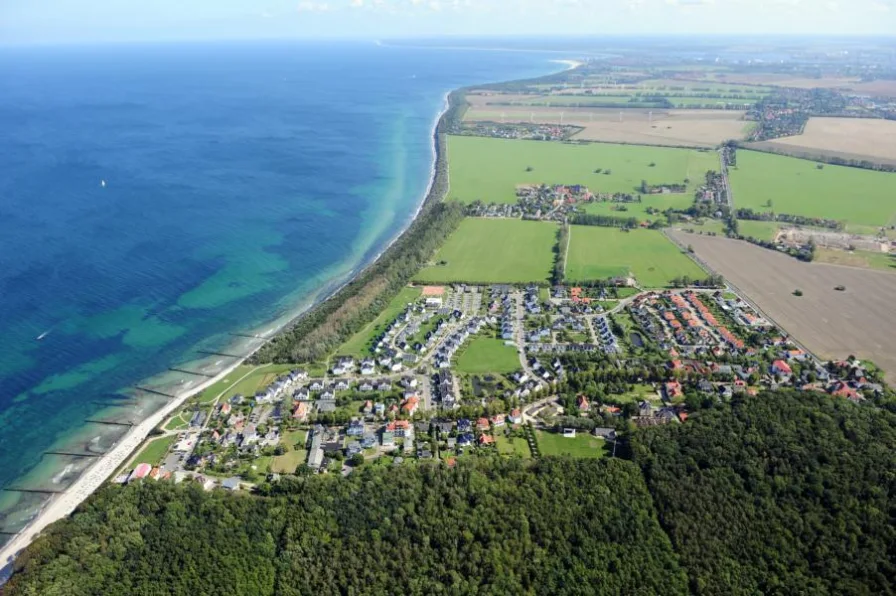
(63, 504)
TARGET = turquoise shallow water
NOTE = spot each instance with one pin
(241, 182)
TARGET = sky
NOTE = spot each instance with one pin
(59, 21)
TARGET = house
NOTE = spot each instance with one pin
(325, 406)
(516, 416)
(608, 434)
(464, 439)
(569, 433)
(410, 405)
(401, 428)
(781, 368)
(498, 420)
(379, 408)
(482, 424)
(355, 428)
(368, 440)
(645, 408)
(300, 413)
(673, 389)
(582, 404)
(388, 438)
(231, 484)
(486, 440)
(464, 426)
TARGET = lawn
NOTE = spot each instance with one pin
(487, 355)
(639, 210)
(179, 422)
(584, 445)
(512, 445)
(495, 251)
(599, 253)
(258, 379)
(288, 462)
(798, 187)
(360, 343)
(490, 169)
(155, 450)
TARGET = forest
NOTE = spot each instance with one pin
(782, 493)
(488, 527)
(787, 493)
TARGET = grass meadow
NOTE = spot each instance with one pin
(599, 253)
(489, 170)
(487, 355)
(583, 445)
(797, 186)
(494, 251)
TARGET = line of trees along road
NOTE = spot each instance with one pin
(782, 493)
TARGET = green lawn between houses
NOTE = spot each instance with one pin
(485, 250)
(583, 445)
(360, 343)
(490, 169)
(599, 253)
(155, 450)
(512, 445)
(487, 355)
(798, 187)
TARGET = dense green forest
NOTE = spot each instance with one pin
(489, 527)
(785, 493)
(788, 493)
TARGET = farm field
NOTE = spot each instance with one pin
(692, 128)
(599, 253)
(490, 169)
(495, 251)
(851, 138)
(583, 445)
(488, 355)
(799, 187)
(857, 258)
(833, 324)
(359, 344)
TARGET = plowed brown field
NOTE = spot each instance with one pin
(860, 320)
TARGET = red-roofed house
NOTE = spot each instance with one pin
(482, 424)
(782, 368)
(486, 440)
(582, 404)
(410, 405)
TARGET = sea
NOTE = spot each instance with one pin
(161, 204)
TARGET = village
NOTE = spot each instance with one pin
(565, 371)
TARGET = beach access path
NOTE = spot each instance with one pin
(64, 503)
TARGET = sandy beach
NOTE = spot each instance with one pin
(64, 503)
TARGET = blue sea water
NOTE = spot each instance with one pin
(241, 181)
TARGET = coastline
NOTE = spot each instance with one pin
(63, 504)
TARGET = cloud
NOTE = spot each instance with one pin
(313, 7)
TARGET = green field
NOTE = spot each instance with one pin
(258, 379)
(761, 230)
(155, 450)
(857, 258)
(494, 251)
(360, 343)
(639, 210)
(489, 170)
(584, 445)
(487, 355)
(798, 187)
(512, 445)
(599, 253)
